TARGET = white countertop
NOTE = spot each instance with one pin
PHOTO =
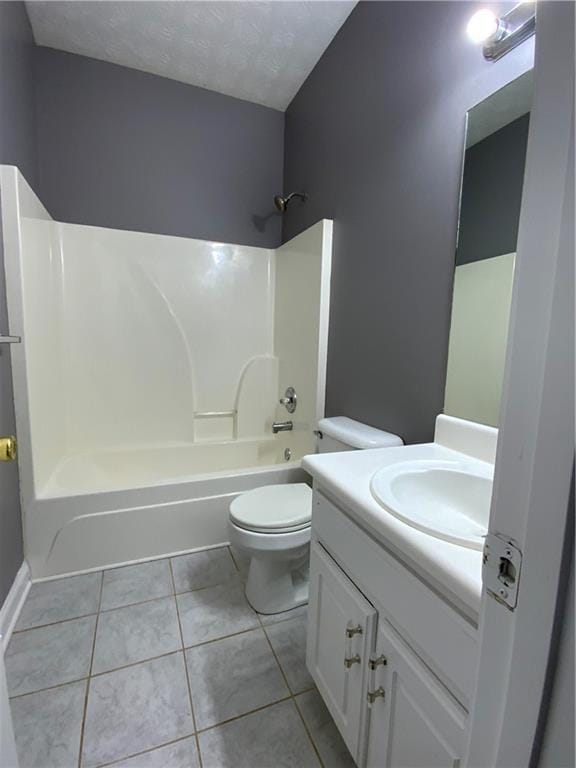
(454, 570)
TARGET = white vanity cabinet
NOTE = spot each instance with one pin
(417, 723)
(393, 661)
(340, 639)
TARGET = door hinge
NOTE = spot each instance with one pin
(380, 661)
(351, 631)
(502, 562)
(379, 693)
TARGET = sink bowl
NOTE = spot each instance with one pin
(447, 499)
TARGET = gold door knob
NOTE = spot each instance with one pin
(8, 448)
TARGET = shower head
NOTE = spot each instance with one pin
(281, 201)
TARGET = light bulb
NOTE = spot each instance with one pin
(482, 25)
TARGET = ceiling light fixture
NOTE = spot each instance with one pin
(482, 25)
(500, 35)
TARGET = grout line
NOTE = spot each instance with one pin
(223, 637)
(117, 607)
(245, 714)
(83, 726)
(308, 731)
(304, 690)
(145, 751)
(259, 625)
(186, 670)
(168, 556)
(159, 656)
(53, 623)
(140, 661)
(136, 663)
(151, 600)
(210, 586)
(211, 728)
(233, 558)
(48, 688)
(183, 648)
(138, 602)
(277, 660)
(293, 696)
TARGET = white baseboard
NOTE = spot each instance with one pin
(12, 606)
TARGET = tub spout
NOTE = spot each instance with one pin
(282, 426)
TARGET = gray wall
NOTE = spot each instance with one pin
(376, 137)
(17, 147)
(492, 193)
(125, 149)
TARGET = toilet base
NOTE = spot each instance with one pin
(279, 567)
(275, 586)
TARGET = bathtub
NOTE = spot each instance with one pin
(135, 425)
(127, 504)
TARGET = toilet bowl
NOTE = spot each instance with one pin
(272, 524)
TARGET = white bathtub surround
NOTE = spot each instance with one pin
(454, 571)
(302, 302)
(148, 379)
(71, 533)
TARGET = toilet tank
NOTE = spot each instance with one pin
(343, 434)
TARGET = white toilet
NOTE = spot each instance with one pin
(272, 523)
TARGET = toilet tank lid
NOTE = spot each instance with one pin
(357, 435)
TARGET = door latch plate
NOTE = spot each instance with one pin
(501, 565)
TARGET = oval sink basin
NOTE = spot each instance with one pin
(446, 499)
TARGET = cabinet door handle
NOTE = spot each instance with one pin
(381, 661)
(379, 693)
(352, 660)
(351, 631)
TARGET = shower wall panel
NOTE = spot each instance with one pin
(148, 378)
(42, 334)
(302, 298)
(157, 333)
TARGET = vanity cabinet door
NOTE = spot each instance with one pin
(414, 721)
(340, 637)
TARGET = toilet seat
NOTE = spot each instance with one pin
(273, 509)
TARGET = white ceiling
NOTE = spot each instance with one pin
(257, 51)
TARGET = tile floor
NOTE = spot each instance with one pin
(164, 665)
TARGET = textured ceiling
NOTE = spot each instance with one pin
(257, 51)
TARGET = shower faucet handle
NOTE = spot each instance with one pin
(290, 400)
(282, 426)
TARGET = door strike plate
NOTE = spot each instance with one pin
(501, 565)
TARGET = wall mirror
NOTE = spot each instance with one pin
(492, 179)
